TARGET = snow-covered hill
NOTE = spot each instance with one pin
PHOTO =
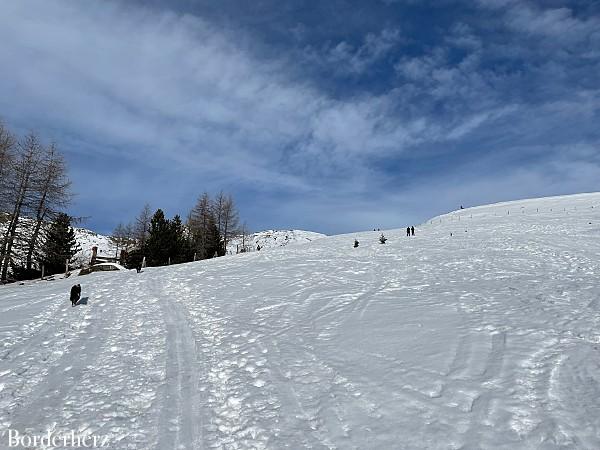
(87, 239)
(486, 338)
(266, 239)
(272, 239)
(84, 237)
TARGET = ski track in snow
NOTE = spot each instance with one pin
(486, 339)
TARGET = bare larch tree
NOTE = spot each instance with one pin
(24, 173)
(51, 195)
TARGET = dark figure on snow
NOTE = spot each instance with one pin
(461, 207)
(75, 294)
(258, 248)
(382, 239)
(412, 231)
(138, 267)
(355, 243)
(408, 231)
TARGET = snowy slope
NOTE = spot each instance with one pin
(271, 239)
(88, 239)
(489, 338)
(84, 237)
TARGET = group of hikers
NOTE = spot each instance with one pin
(410, 231)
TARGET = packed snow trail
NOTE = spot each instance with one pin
(487, 338)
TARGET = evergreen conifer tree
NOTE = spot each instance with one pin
(181, 250)
(60, 244)
(159, 242)
(214, 242)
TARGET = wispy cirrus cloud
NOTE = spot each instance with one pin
(355, 59)
(152, 93)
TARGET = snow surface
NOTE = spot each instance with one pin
(272, 238)
(489, 338)
(88, 239)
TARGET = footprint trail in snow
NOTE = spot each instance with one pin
(486, 338)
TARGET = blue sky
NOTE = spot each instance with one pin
(329, 116)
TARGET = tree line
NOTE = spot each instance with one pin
(34, 192)
(209, 226)
(36, 235)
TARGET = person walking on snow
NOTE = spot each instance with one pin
(408, 231)
(412, 231)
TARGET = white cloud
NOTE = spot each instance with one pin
(558, 23)
(185, 96)
(346, 59)
(174, 88)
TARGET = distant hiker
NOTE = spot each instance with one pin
(408, 231)
(75, 294)
(412, 231)
(355, 243)
(461, 207)
(451, 234)
(258, 248)
(138, 267)
(382, 239)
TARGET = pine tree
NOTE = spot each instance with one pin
(214, 243)
(60, 244)
(181, 250)
(158, 244)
